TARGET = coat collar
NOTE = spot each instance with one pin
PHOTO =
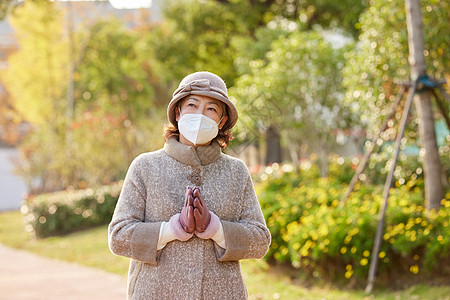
(188, 155)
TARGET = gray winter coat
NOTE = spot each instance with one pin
(153, 191)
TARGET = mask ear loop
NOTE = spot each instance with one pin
(224, 113)
(179, 109)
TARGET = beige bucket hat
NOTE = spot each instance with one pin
(205, 84)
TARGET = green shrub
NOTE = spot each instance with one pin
(67, 211)
(313, 233)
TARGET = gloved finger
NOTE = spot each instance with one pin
(190, 200)
(196, 192)
(190, 218)
(197, 214)
(202, 202)
(188, 192)
(197, 205)
(190, 214)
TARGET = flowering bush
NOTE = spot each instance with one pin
(313, 233)
(67, 211)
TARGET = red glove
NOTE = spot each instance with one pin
(201, 212)
(187, 213)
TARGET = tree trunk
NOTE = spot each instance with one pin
(70, 79)
(323, 162)
(273, 147)
(432, 167)
(295, 156)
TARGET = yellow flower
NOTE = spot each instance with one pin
(382, 254)
(343, 250)
(366, 253)
(354, 231)
(414, 269)
(363, 261)
(348, 274)
(416, 257)
(440, 238)
(409, 225)
(353, 249)
(304, 252)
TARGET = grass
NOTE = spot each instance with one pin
(263, 282)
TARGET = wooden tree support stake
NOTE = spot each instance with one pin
(446, 96)
(441, 106)
(387, 187)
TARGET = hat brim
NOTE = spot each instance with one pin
(231, 109)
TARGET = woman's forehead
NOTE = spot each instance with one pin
(201, 98)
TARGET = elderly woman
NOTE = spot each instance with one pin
(188, 213)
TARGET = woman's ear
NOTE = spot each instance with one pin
(224, 120)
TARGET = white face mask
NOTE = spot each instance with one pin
(198, 128)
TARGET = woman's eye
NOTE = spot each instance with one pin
(212, 109)
(191, 105)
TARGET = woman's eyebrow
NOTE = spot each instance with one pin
(212, 102)
(193, 98)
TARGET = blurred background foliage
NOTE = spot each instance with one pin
(296, 89)
(379, 62)
(302, 73)
(324, 240)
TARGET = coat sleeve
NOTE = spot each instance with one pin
(249, 237)
(128, 233)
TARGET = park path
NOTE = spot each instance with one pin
(24, 275)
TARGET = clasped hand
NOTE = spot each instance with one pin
(195, 215)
